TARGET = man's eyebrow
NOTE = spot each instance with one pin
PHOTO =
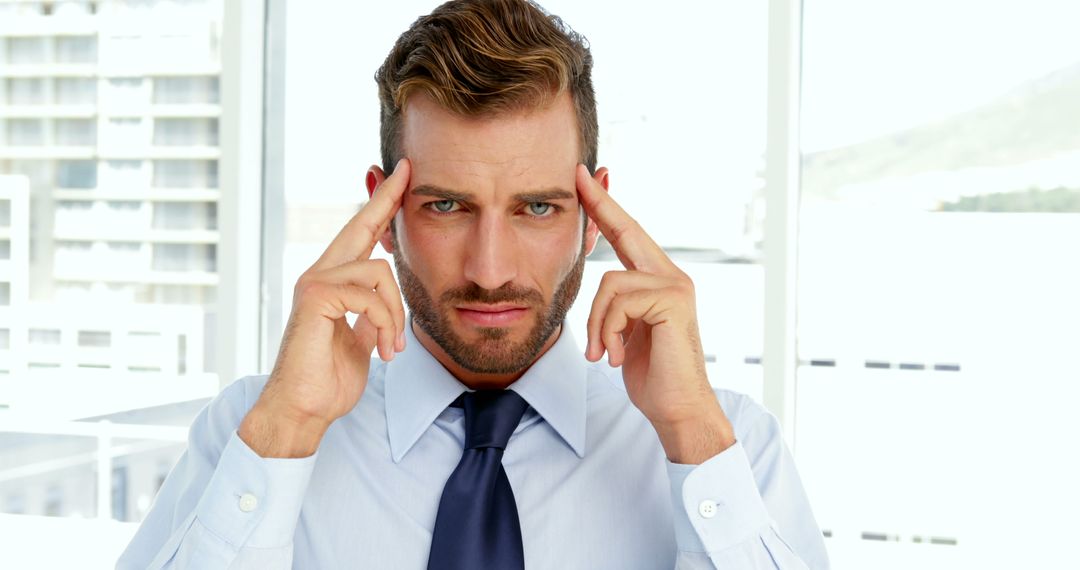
(544, 195)
(442, 193)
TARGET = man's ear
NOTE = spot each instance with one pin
(592, 231)
(374, 178)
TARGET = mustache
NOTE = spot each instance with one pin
(508, 293)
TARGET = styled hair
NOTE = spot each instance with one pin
(482, 58)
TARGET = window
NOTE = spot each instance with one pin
(714, 124)
(26, 51)
(25, 132)
(74, 91)
(76, 174)
(185, 132)
(940, 213)
(184, 257)
(184, 216)
(25, 91)
(76, 49)
(75, 132)
(185, 174)
(123, 326)
(186, 90)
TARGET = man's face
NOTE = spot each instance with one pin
(490, 243)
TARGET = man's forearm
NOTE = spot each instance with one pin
(693, 442)
(273, 435)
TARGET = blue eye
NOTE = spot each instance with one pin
(539, 208)
(443, 205)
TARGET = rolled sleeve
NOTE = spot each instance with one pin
(717, 504)
(253, 501)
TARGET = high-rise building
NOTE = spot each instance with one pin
(110, 110)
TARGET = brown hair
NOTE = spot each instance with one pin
(485, 57)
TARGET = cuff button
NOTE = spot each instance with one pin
(248, 502)
(707, 509)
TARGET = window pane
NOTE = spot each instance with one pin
(185, 90)
(75, 91)
(185, 132)
(22, 51)
(76, 174)
(25, 91)
(648, 136)
(110, 322)
(76, 49)
(185, 174)
(939, 223)
(25, 132)
(75, 132)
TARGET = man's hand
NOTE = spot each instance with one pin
(646, 319)
(322, 367)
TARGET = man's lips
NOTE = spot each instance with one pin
(491, 315)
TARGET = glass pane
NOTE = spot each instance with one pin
(938, 309)
(74, 91)
(185, 132)
(647, 138)
(100, 321)
(25, 132)
(75, 132)
(25, 91)
(22, 51)
(185, 174)
(185, 90)
(76, 49)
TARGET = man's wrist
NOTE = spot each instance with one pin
(693, 441)
(272, 434)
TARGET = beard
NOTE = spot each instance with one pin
(494, 352)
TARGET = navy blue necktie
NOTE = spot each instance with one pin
(477, 527)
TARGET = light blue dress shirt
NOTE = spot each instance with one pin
(593, 486)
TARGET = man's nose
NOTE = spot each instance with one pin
(491, 258)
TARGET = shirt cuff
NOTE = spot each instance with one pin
(717, 504)
(254, 501)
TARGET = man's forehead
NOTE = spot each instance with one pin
(535, 147)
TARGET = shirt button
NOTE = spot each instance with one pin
(707, 509)
(248, 502)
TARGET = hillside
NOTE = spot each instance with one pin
(1034, 121)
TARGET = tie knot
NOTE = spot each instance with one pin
(491, 417)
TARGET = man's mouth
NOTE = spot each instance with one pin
(502, 314)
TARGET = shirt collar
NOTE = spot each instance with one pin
(419, 388)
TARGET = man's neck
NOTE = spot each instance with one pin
(477, 380)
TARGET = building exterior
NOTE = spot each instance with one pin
(110, 152)
(111, 111)
(14, 273)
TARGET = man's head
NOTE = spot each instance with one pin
(492, 103)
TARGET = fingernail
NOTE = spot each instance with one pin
(401, 340)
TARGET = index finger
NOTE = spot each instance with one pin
(358, 237)
(635, 249)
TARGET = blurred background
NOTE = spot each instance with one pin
(168, 168)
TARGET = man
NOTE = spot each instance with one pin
(482, 438)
